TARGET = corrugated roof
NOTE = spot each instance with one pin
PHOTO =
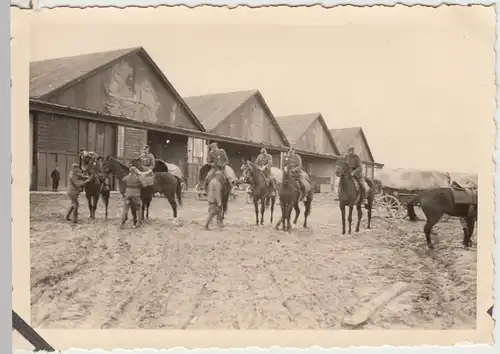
(214, 108)
(344, 137)
(49, 75)
(295, 126)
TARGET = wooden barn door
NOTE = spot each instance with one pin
(56, 144)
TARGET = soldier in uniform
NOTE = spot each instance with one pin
(265, 162)
(132, 196)
(353, 161)
(293, 163)
(76, 181)
(147, 161)
(218, 160)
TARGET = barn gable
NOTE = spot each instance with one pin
(308, 132)
(353, 136)
(122, 82)
(242, 114)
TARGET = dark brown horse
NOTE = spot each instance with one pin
(350, 196)
(164, 182)
(289, 198)
(261, 190)
(98, 185)
(435, 203)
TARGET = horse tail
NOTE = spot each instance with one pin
(411, 210)
(178, 190)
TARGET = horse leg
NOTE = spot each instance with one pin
(105, 199)
(89, 202)
(360, 215)
(273, 200)
(256, 208)
(284, 208)
(369, 209)
(173, 204)
(95, 200)
(342, 211)
(432, 220)
(307, 211)
(470, 229)
(349, 218)
(296, 207)
(263, 202)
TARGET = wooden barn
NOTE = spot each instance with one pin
(244, 115)
(309, 133)
(356, 137)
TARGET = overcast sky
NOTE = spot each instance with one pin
(420, 81)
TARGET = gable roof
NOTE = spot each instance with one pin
(52, 76)
(343, 137)
(295, 126)
(213, 109)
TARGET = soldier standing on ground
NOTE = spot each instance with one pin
(76, 181)
(132, 198)
(56, 177)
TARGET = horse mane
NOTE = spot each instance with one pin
(121, 164)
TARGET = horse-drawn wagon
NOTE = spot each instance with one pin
(395, 188)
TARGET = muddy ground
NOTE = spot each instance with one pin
(244, 277)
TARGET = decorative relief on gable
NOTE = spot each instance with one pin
(129, 96)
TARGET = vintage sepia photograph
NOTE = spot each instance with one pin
(329, 169)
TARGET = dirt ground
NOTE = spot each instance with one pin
(243, 277)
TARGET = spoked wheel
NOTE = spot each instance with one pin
(388, 206)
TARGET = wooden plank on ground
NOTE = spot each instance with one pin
(368, 309)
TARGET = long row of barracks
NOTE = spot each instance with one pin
(114, 102)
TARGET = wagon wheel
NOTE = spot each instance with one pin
(388, 204)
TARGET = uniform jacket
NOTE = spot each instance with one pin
(293, 161)
(264, 160)
(218, 158)
(76, 180)
(147, 162)
(55, 175)
(354, 162)
(132, 185)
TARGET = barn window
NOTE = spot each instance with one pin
(120, 141)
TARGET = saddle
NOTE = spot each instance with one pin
(463, 194)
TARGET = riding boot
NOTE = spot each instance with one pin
(75, 215)
(68, 214)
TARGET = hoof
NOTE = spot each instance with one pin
(431, 246)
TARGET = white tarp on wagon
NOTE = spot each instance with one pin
(410, 180)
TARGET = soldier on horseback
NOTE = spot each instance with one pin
(147, 161)
(293, 164)
(354, 162)
(265, 162)
(218, 160)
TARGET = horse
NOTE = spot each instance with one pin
(349, 194)
(436, 202)
(289, 198)
(261, 191)
(218, 197)
(98, 184)
(164, 182)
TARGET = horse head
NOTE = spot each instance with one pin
(342, 169)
